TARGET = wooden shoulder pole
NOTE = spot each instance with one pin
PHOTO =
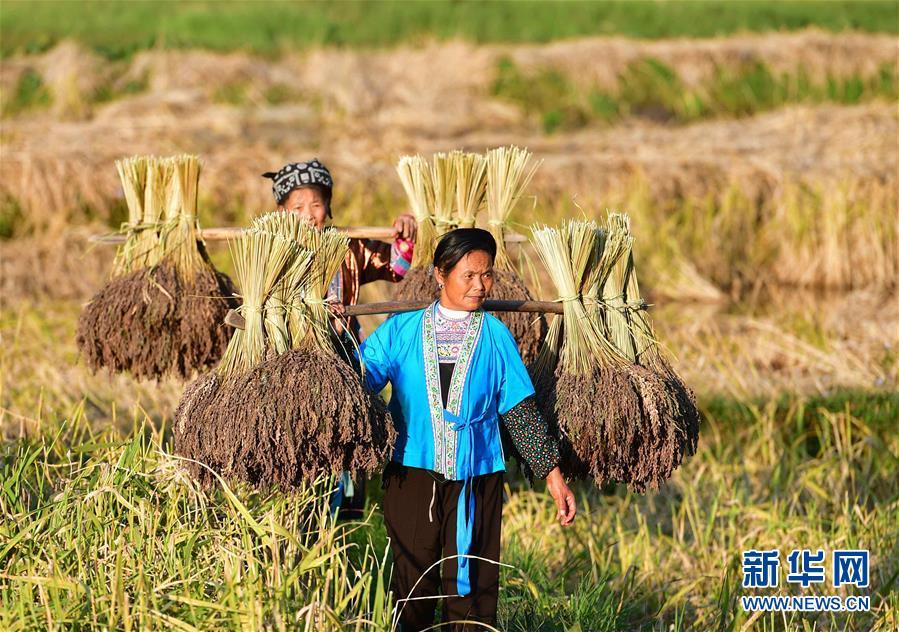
(393, 307)
(382, 233)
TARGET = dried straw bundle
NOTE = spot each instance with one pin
(622, 316)
(443, 183)
(163, 310)
(508, 172)
(471, 186)
(456, 185)
(417, 177)
(621, 411)
(283, 408)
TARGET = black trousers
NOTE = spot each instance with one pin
(420, 513)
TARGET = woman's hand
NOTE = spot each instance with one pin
(405, 227)
(563, 496)
(335, 307)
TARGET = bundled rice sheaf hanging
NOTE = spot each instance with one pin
(439, 197)
(508, 173)
(470, 171)
(419, 284)
(453, 186)
(621, 411)
(443, 183)
(283, 408)
(162, 312)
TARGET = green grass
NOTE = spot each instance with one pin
(650, 89)
(112, 90)
(103, 529)
(30, 94)
(100, 528)
(10, 217)
(118, 29)
(231, 94)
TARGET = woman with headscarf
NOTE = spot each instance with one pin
(456, 374)
(306, 188)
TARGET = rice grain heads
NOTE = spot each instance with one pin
(283, 408)
(162, 313)
(621, 411)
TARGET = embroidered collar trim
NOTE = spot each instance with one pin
(443, 432)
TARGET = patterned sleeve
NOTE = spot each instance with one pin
(531, 438)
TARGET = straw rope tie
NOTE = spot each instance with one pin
(171, 222)
(133, 229)
(316, 302)
(633, 306)
(637, 305)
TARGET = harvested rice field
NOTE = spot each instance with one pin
(158, 472)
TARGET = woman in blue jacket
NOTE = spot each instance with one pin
(455, 374)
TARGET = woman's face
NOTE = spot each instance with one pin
(309, 204)
(468, 284)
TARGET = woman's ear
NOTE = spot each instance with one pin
(438, 276)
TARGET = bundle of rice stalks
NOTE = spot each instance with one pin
(508, 172)
(283, 408)
(624, 319)
(416, 179)
(416, 175)
(621, 412)
(459, 183)
(163, 310)
(471, 186)
(443, 183)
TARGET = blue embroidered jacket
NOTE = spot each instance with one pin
(489, 380)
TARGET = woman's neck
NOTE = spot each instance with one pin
(455, 314)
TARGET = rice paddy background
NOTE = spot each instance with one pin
(758, 163)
